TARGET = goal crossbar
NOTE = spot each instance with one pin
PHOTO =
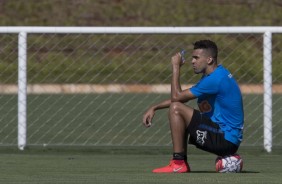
(22, 77)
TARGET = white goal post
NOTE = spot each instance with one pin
(22, 61)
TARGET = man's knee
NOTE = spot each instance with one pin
(176, 107)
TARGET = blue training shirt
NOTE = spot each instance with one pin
(220, 98)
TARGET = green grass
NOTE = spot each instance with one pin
(113, 161)
(112, 119)
(140, 13)
(80, 166)
(50, 56)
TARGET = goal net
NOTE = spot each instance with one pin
(86, 89)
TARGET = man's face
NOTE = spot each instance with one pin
(200, 60)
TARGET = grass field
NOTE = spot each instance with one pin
(91, 166)
(61, 119)
(112, 119)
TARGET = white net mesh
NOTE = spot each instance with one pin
(87, 89)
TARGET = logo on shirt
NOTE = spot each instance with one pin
(201, 136)
(205, 106)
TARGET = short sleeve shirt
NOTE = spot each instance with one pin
(219, 97)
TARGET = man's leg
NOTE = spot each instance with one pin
(180, 116)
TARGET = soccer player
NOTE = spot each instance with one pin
(217, 126)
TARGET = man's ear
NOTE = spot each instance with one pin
(210, 60)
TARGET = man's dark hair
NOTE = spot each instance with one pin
(208, 45)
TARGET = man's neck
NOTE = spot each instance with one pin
(210, 69)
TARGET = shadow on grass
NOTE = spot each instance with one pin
(243, 172)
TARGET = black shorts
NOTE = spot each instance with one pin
(207, 135)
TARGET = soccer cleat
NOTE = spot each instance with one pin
(175, 166)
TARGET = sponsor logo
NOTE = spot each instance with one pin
(178, 169)
(201, 136)
(205, 106)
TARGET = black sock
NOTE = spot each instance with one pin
(179, 156)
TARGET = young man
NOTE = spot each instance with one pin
(217, 126)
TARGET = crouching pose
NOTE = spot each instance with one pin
(217, 126)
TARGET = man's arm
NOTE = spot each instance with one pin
(149, 114)
(177, 94)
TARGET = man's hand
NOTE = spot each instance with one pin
(148, 116)
(176, 59)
